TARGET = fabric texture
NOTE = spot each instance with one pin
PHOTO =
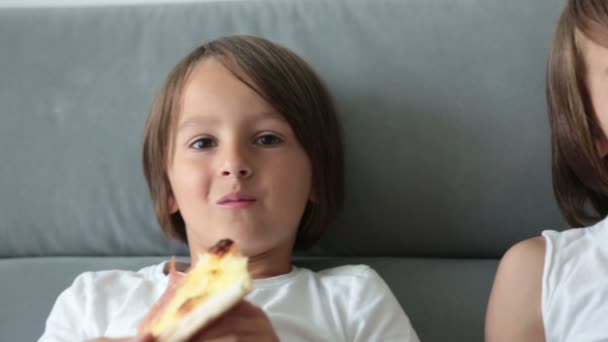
(348, 303)
(575, 283)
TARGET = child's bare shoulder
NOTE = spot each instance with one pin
(514, 308)
(522, 266)
(522, 253)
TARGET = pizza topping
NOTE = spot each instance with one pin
(213, 273)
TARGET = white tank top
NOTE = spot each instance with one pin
(575, 284)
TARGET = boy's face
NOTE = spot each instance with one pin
(238, 171)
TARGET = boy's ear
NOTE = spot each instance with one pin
(172, 204)
(313, 196)
(601, 146)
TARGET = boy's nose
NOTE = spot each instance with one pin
(234, 162)
(241, 172)
(235, 166)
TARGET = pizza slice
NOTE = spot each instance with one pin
(217, 282)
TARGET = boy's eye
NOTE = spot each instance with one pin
(203, 143)
(268, 139)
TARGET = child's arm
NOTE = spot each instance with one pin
(514, 309)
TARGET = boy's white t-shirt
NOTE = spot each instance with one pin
(575, 284)
(347, 303)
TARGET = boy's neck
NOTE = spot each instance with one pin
(263, 269)
(257, 269)
(271, 263)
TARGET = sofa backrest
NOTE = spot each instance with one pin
(442, 104)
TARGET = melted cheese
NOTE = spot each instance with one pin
(210, 276)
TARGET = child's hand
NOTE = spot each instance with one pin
(144, 338)
(244, 322)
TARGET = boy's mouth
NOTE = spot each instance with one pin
(236, 200)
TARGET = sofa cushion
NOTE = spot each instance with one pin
(442, 103)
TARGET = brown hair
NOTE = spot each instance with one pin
(291, 86)
(580, 174)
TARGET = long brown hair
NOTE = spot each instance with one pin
(291, 86)
(580, 174)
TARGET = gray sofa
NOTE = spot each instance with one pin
(443, 107)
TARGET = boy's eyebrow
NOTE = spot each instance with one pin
(196, 121)
(210, 121)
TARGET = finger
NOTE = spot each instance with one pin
(243, 308)
(218, 327)
(145, 338)
(242, 322)
(230, 339)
